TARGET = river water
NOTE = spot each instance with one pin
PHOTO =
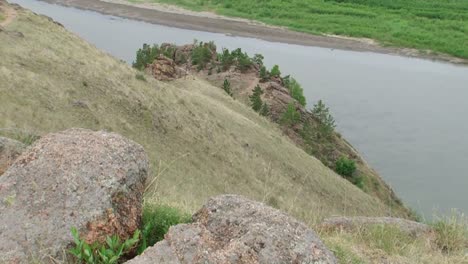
(408, 117)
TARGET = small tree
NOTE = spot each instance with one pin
(291, 116)
(146, 55)
(322, 113)
(264, 75)
(258, 59)
(256, 99)
(265, 111)
(275, 71)
(227, 87)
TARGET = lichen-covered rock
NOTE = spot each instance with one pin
(93, 181)
(350, 223)
(233, 229)
(164, 69)
(9, 150)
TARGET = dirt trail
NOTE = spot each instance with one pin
(8, 12)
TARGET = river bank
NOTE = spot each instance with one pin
(205, 21)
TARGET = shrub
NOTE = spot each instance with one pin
(140, 77)
(291, 116)
(388, 238)
(258, 59)
(322, 114)
(264, 74)
(227, 87)
(345, 167)
(201, 55)
(226, 59)
(295, 90)
(156, 222)
(275, 71)
(256, 99)
(265, 111)
(145, 56)
(109, 253)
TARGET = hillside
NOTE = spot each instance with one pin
(200, 141)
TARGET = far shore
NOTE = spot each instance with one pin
(204, 21)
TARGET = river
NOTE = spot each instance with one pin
(405, 115)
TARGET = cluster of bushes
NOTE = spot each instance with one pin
(156, 223)
(239, 59)
(202, 54)
(295, 89)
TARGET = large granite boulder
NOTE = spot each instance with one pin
(233, 229)
(9, 150)
(93, 181)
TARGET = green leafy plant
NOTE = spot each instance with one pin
(275, 71)
(256, 99)
(109, 253)
(227, 87)
(156, 221)
(291, 116)
(345, 167)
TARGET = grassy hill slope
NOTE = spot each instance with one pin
(200, 141)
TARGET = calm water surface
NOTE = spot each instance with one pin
(408, 117)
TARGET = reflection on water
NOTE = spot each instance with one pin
(407, 116)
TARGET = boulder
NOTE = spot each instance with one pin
(233, 229)
(164, 69)
(350, 223)
(93, 181)
(9, 150)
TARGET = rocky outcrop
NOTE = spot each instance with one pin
(350, 223)
(164, 69)
(93, 181)
(9, 150)
(233, 229)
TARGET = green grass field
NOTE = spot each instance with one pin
(437, 25)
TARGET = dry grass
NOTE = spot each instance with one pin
(447, 244)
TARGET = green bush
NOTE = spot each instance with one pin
(345, 167)
(322, 114)
(275, 71)
(226, 59)
(258, 59)
(256, 99)
(264, 74)
(227, 87)
(265, 111)
(140, 76)
(201, 55)
(145, 56)
(295, 90)
(109, 253)
(156, 222)
(291, 116)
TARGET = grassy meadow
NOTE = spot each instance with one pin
(440, 26)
